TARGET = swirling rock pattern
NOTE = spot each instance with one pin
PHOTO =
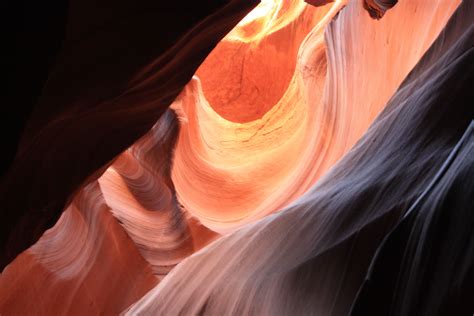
(311, 257)
(87, 256)
(139, 190)
(85, 265)
(109, 86)
(317, 161)
(225, 170)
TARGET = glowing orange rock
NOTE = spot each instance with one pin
(274, 107)
(229, 170)
(90, 264)
(257, 131)
(141, 195)
(250, 69)
(85, 265)
(312, 255)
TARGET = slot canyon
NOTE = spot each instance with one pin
(241, 157)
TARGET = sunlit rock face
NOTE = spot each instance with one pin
(240, 113)
(312, 256)
(257, 134)
(141, 195)
(276, 176)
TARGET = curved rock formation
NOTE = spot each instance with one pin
(85, 265)
(109, 86)
(428, 266)
(311, 257)
(139, 190)
(225, 170)
(318, 161)
(86, 258)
